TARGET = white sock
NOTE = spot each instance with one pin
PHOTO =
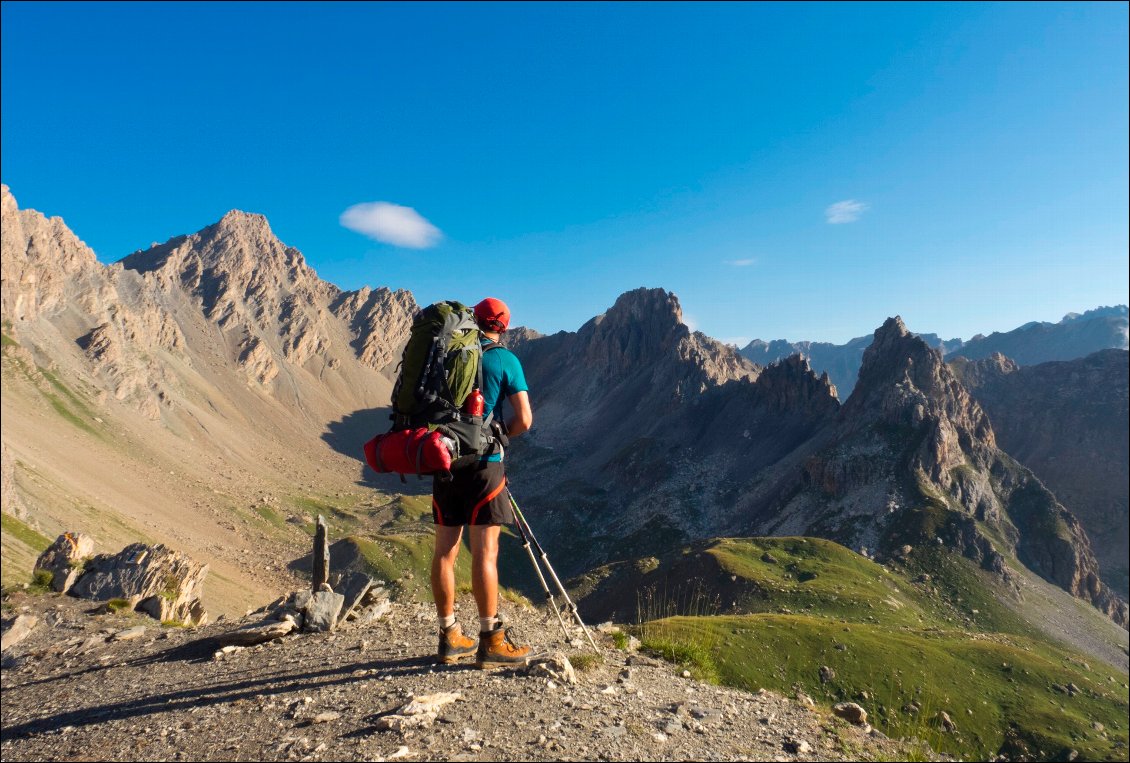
(487, 624)
(446, 621)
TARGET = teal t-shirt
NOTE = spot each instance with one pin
(502, 377)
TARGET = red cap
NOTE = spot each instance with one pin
(493, 314)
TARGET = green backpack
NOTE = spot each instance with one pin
(441, 365)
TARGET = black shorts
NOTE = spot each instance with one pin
(475, 495)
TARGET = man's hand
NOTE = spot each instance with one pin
(523, 417)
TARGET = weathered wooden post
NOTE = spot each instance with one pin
(321, 575)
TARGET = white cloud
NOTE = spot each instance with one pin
(391, 224)
(742, 263)
(847, 211)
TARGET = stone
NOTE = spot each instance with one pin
(20, 628)
(555, 666)
(326, 717)
(63, 559)
(419, 712)
(139, 572)
(946, 722)
(805, 701)
(169, 610)
(353, 587)
(129, 634)
(826, 674)
(321, 611)
(797, 746)
(257, 633)
(850, 712)
(321, 570)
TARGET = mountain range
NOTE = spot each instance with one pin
(212, 392)
(1076, 335)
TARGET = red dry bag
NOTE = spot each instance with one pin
(408, 451)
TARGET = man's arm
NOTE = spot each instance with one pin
(523, 417)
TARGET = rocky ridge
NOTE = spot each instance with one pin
(1075, 336)
(1066, 421)
(912, 458)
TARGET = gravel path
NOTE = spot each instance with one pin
(71, 692)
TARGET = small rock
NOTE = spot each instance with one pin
(947, 723)
(797, 746)
(850, 712)
(325, 717)
(129, 633)
(805, 701)
(257, 633)
(686, 674)
(21, 628)
(826, 674)
(555, 666)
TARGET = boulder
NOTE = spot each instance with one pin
(321, 611)
(63, 559)
(139, 573)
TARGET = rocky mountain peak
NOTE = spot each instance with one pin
(41, 257)
(791, 384)
(642, 326)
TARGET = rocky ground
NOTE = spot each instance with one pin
(87, 686)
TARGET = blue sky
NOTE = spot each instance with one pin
(564, 153)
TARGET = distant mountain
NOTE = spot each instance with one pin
(1039, 342)
(840, 361)
(1075, 336)
(644, 443)
(1067, 422)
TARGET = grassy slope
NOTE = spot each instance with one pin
(944, 643)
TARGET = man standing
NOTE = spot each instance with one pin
(476, 496)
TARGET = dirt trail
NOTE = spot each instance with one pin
(71, 695)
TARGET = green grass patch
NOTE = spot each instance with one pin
(584, 662)
(271, 517)
(404, 562)
(118, 605)
(41, 581)
(22, 532)
(999, 689)
(812, 574)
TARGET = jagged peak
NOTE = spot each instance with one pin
(892, 327)
(792, 382)
(237, 219)
(651, 304)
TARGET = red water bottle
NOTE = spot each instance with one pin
(473, 405)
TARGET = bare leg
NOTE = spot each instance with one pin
(484, 567)
(443, 568)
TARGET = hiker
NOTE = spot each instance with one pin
(476, 496)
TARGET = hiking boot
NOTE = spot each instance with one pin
(498, 650)
(454, 646)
